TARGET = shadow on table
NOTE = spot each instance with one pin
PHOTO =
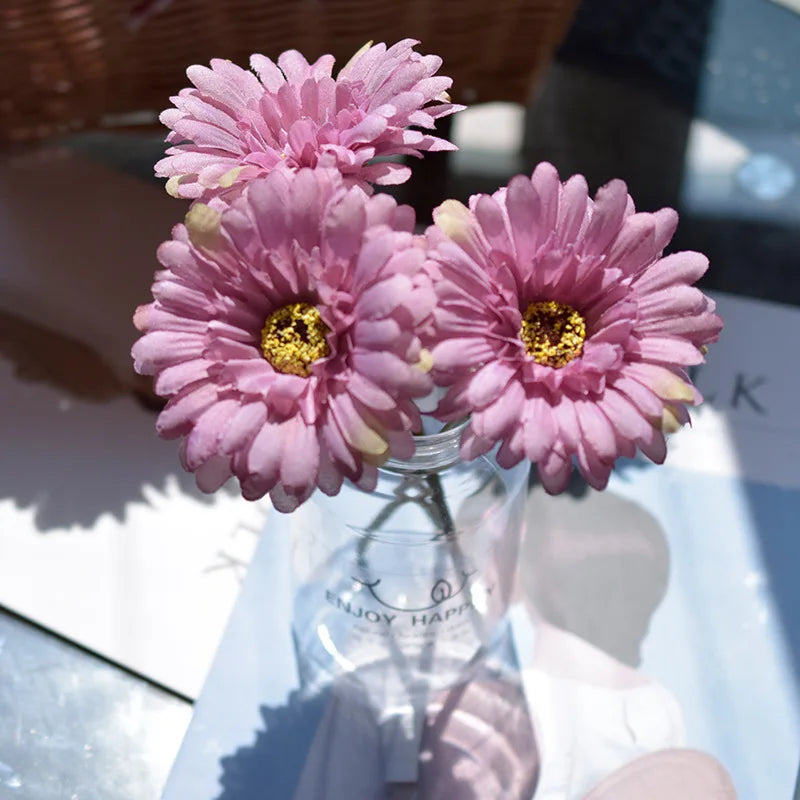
(476, 742)
(79, 241)
(76, 444)
(274, 762)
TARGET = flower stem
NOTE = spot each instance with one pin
(443, 518)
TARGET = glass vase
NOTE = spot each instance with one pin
(401, 590)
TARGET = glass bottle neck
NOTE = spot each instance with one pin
(432, 453)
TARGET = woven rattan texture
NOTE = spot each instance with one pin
(72, 64)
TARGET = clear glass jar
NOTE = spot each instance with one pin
(404, 587)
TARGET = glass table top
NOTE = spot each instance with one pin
(102, 539)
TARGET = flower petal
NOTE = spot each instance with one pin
(299, 460)
(494, 421)
(213, 474)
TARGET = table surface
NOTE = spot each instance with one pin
(73, 726)
(709, 124)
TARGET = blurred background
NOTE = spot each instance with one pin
(116, 576)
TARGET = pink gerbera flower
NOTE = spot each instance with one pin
(284, 330)
(562, 330)
(235, 125)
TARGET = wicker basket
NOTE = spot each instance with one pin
(72, 64)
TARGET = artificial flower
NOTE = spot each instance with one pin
(235, 125)
(285, 331)
(561, 329)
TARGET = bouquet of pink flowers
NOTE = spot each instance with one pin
(298, 319)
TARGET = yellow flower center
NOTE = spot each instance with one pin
(293, 338)
(553, 333)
